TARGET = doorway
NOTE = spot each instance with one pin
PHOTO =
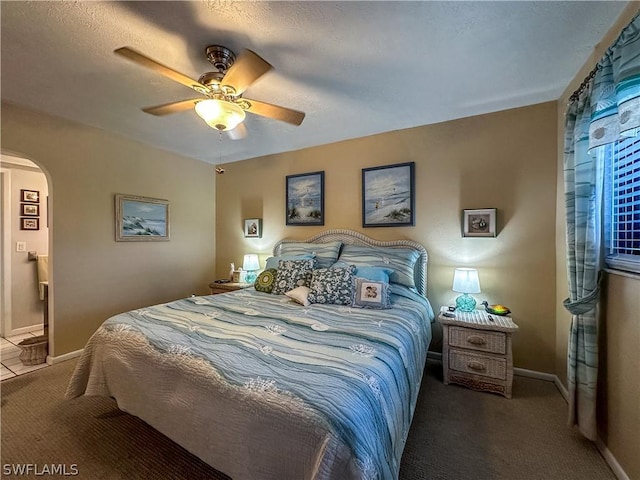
(24, 256)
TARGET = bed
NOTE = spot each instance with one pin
(262, 387)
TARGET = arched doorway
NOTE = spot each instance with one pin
(24, 257)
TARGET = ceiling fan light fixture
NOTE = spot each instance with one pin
(220, 114)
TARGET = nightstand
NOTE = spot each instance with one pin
(476, 350)
(217, 288)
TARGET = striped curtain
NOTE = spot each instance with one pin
(606, 110)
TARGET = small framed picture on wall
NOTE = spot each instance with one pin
(29, 224)
(29, 210)
(479, 222)
(253, 227)
(31, 196)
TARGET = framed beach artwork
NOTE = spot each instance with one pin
(479, 222)
(388, 195)
(305, 199)
(141, 219)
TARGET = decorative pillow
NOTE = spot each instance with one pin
(332, 285)
(401, 260)
(376, 274)
(299, 294)
(325, 253)
(264, 282)
(370, 273)
(292, 274)
(370, 294)
(273, 262)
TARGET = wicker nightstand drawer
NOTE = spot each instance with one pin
(484, 341)
(493, 367)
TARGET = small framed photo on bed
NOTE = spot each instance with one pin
(29, 210)
(479, 222)
(388, 195)
(305, 199)
(253, 227)
(141, 219)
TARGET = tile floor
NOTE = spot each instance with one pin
(9, 353)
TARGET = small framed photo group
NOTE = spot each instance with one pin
(29, 209)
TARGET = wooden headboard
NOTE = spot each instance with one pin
(350, 237)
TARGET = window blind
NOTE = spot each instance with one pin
(622, 197)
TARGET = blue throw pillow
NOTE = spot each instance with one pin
(379, 274)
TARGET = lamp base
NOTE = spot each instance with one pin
(250, 276)
(465, 303)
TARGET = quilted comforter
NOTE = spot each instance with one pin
(263, 388)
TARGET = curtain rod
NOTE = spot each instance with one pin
(583, 85)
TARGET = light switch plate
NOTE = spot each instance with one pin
(21, 246)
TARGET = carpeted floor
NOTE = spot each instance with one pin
(456, 434)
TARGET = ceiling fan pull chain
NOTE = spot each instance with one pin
(219, 169)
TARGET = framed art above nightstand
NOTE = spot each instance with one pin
(476, 350)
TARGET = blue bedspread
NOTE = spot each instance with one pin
(360, 369)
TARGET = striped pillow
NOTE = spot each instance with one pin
(325, 253)
(401, 260)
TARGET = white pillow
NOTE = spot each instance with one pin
(299, 294)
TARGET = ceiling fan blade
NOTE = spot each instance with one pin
(283, 114)
(238, 133)
(168, 72)
(173, 107)
(246, 69)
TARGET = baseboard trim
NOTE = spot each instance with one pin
(523, 372)
(611, 460)
(61, 358)
(434, 356)
(563, 390)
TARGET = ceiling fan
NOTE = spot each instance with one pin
(223, 106)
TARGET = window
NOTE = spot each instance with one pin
(622, 204)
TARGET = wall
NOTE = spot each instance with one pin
(618, 379)
(92, 275)
(26, 306)
(504, 160)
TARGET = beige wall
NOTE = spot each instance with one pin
(93, 276)
(619, 382)
(619, 389)
(26, 306)
(504, 160)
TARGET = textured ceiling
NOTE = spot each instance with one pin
(355, 68)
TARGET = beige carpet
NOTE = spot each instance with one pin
(456, 434)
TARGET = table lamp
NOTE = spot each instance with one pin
(466, 281)
(251, 266)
